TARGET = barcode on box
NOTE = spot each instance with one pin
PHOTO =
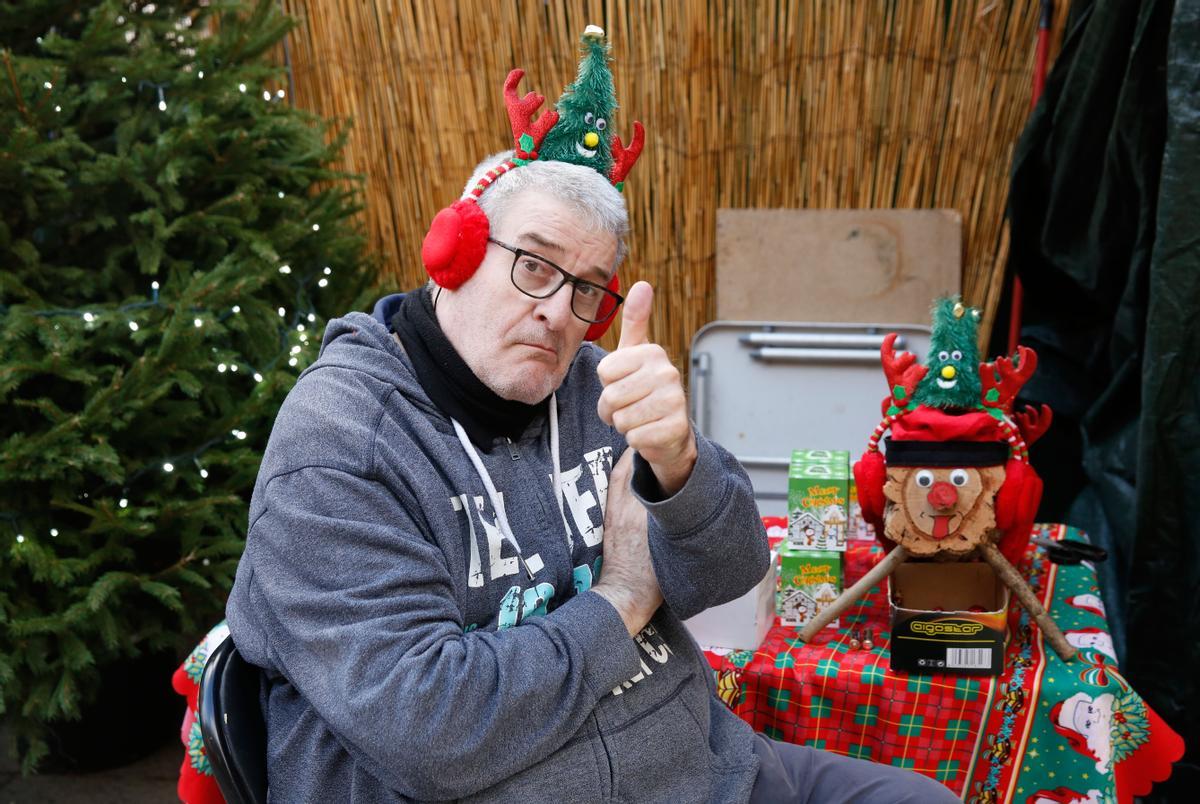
(969, 658)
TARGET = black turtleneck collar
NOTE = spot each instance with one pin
(450, 383)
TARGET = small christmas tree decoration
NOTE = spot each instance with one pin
(585, 110)
(956, 483)
(953, 362)
(584, 134)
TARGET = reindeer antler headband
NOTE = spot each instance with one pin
(578, 130)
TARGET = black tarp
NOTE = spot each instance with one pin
(1105, 222)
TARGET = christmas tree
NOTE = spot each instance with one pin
(173, 237)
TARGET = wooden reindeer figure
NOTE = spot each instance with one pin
(956, 483)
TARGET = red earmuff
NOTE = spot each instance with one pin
(870, 474)
(455, 243)
(1016, 508)
(596, 331)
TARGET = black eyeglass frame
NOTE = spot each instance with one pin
(566, 278)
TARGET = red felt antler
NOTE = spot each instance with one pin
(1006, 376)
(1033, 422)
(901, 369)
(527, 132)
(623, 158)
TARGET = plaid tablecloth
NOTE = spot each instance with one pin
(1042, 731)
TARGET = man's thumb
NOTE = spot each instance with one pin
(635, 315)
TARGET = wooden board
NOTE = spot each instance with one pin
(849, 265)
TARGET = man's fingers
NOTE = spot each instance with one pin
(635, 315)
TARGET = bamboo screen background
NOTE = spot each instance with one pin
(790, 103)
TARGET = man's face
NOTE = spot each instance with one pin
(518, 346)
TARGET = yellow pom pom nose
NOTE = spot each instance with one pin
(591, 139)
(948, 372)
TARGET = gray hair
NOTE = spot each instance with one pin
(598, 204)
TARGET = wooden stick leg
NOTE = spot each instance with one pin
(876, 574)
(1013, 580)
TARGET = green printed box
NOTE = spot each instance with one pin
(838, 456)
(809, 580)
(818, 503)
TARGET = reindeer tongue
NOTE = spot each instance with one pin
(941, 526)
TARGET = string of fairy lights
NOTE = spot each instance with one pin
(294, 336)
(294, 339)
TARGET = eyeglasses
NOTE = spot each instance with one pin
(536, 276)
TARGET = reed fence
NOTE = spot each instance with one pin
(788, 103)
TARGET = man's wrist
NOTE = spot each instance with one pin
(674, 476)
(631, 610)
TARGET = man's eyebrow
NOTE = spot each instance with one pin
(595, 273)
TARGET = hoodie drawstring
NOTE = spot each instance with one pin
(494, 496)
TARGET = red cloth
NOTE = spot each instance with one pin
(989, 739)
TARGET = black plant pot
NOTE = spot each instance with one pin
(135, 712)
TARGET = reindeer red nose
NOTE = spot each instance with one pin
(942, 496)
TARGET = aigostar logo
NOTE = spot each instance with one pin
(965, 628)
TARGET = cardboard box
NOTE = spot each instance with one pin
(948, 617)
(809, 580)
(818, 503)
(740, 624)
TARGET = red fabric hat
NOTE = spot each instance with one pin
(932, 437)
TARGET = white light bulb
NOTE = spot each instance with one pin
(241, 435)
(200, 74)
(304, 338)
(233, 366)
(241, 87)
(292, 362)
(154, 285)
(54, 532)
(299, 327)
(257, 377)
(124, 503)
(279, 93)
(311, 318)
(88, 317)
(162, 106)
(57, 108)
(48, 85)
(237, 309)
(167, 467)
(323, 282)
(203, 473)
(266, 95)
(124, 80)
(285, 269)
(206, 562)
(20, 538)
(281, 193)
(282, 312)
(198, 323)
(327, 271)
(133, 326)
(295, 350)
(221, 367)
(316, 227)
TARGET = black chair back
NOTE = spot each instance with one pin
(235, 735)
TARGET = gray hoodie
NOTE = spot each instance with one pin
(409, 656)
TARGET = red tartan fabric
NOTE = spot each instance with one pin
(989, 739)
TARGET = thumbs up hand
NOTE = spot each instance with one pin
(643, 397)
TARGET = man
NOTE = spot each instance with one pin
(459, 578)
